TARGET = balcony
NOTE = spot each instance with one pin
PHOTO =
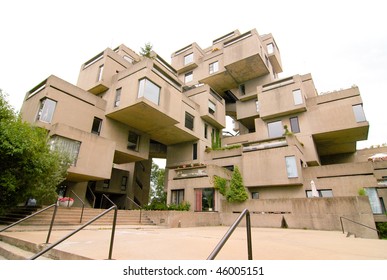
(212, 108)
(335, 124)
(187, 58)
(150, 101)
(191, 172)
(97, 73)
(283, 97)
(243, 57)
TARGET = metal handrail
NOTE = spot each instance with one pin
(82, 227)
(342, 226)
(229, 233)
(127, 197)
(32, 215)
(83, 206)
(93, 195)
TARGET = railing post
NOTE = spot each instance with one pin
(113, 233)
(342, 226)
(249, 241)
(52, 223)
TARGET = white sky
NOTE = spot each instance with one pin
(340, 42)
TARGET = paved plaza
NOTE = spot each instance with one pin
(154, 243)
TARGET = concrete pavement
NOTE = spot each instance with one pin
(155, 243)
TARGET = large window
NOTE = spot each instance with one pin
(117, 99)
(211, 107)
(204, 199)
(133, 141)
(188, 77)
(294, 125)
(177, 196)
(96, 127)
(214, 67)
(149, 90)
(270, 48)
(66, 145)
(275, 129)
(291, 166)
(188, 58)
(297, 97)
(46, 110)
(195, 151)
(189, 121)
(359, 113)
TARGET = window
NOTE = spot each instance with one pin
(188, 58)
(117, 99)
(149, 90)
(177, 196)
(128, 58)
(124, 182)
(133, 141)
(206, 131)
(100, 71)
(276, 129)
(321, 193)
(255, 195)
(359, 113)
(257, 105)
(374, 199)
(242, 89)
(46, 110)
(195, 151)
(211, 107)
(297, 97)
(97, 124)
(66, 145)
(294, 125)
(204, 199)
(270, 48)
(291, 167)
(188, 77)
(189, 121)
(214, 67)
(106, 184)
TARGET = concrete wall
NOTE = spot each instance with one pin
(299, 213)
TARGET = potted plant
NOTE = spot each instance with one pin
(65, 201)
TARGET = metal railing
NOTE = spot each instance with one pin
(229, 233)
(131, 200)
(83, 205)
(342, 225)
(114, 207)
(34, 214)
(90, 196)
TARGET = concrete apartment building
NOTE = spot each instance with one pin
(127, 109)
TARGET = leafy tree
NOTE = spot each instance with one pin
(236, 191)
(146, 50)
(157, 193)
(28, 167)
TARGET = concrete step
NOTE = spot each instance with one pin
(72, 215)
(12, 248)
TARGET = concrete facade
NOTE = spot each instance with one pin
(127, 109)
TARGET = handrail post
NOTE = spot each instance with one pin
(52, 223)
(341, 222)
(113, 232)
(249, 241)
(83, 206)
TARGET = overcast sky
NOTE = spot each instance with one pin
(341, 43)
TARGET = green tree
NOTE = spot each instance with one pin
(157, 195)
(146, 50)
(236, 192)
(28, 167)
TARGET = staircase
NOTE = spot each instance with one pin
(72, 215)
(17, 213)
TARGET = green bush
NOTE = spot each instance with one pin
(157, 206)
(382, 228)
